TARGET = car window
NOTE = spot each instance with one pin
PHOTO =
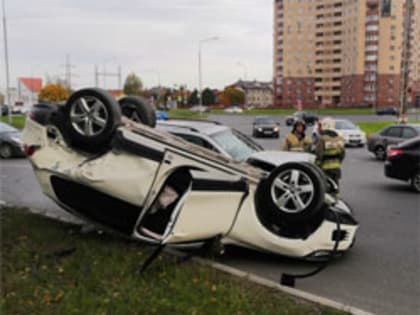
(264, 121)
(6, 128)
(344, 125)
(393, 132)
(408, 133)
(233, 144)
(197, 140)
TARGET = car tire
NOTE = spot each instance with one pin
(91, 117)
(294, 192)
(415, 182)
(6, 151)
(380, 153)
(137, 109)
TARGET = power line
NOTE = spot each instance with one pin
(104, 74)
(68, 74)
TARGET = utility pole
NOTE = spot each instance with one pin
(68, 72)
(6, 53)
(404, 79)
(200, 73)
(106, 74)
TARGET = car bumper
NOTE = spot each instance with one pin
(393, 172)
(249, 232)
(267, 133)
(355, 142)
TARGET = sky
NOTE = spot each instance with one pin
(149, 37)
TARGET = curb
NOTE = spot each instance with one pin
(232, 271)
(274, 285)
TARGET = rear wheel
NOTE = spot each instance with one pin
(6, 151)
(91, 117)
(380, 153)
(137, 109)
(415, 182)
(294, 192)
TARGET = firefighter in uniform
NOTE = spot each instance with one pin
(297, 141)
(330, 150)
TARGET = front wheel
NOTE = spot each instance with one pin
(294, 192)
(380, 153)
(415, 182)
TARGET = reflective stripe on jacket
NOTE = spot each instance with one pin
(330, 152)
(293, 143)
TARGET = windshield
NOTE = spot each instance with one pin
(417, 127)
(6, 128)
(236, 145)
(264, 121)
(344, 125)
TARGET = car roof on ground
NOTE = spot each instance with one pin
(202, 126)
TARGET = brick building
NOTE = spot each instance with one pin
(343, 53)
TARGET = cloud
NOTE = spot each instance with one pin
(144, 36)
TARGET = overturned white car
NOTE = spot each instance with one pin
(156, 187)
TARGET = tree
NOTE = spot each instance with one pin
(2, 100)
(232, 96)
(53, 93)
(133, 85)
(193, 99)
(208, 97)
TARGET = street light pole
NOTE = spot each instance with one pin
(6, 53)
(200, 80)
(244, 68)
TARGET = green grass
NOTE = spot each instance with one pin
(101, 277)
(273, 112)
(16, 121)
(185, 114)
(376, 126)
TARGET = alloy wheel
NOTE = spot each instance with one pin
(292, 191)
(88, 116)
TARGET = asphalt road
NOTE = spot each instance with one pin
(380, 274)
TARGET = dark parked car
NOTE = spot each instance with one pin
(393, 135)
(308, 117)
(392, 111)
(10, 143)
(5, 109)
(403, 162)
(265, 127)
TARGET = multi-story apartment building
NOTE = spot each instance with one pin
(343, 52)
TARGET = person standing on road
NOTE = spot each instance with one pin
(330, 150)
(297, 141)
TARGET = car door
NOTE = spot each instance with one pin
(408, 133)
(392, 136)
(207, 207)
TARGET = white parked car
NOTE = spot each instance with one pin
(352, 134)
(155, 187)
(234, 110)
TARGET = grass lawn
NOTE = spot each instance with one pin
(270, 112)
(373, 127)
(185, 114)
(99, 275)
(16, 121)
